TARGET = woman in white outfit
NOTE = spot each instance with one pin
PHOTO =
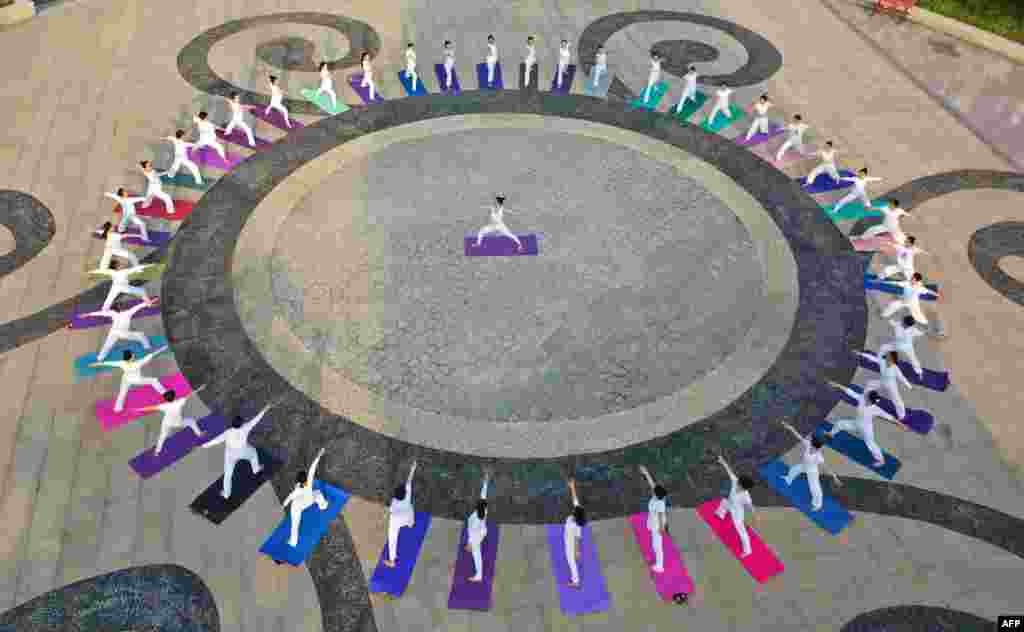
(121, 327)
(327, 85)
(131, 375)
(181, 158)
(114, 246)
(491, 59)
(654, 76)
(173, 417)
(913, 290)
(154, 187)
(529, 61)
(860, 190)
(237, 448)
(128, 213)
(120, 283)
(302, 498)
(238, 118)
(811, 462)
(476, 531)
(864, 424)
(208, 135)
(736, 503)
(721, 103)
(563, 63)
(277, 101)
(572, 536)
(657, 520)
(368, 75)
(400, 514)
(689, 89)
(600, 65)
(795, 139)
(905, 253)
(410, 65)
(827, 165)
(760, 124)
(891, 214)
(497, 225)
(449, 64)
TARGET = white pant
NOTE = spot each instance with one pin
(108, 254)
(491, 63)
(500, 229)
(598, 71)
(137, 221)
(165, 430)
(867, 433)
(893, 391)
(368, 83)
(689, 94)
(180, 161)
(295, 514)
(813, 482)
(558, 76)
(570, 558)
(527, 65)
(449, 68)
(478, 558)
(907, 350)
(249, 454)
(658, 544)
(126, 384)
(245, 128)
(718, 109)
(849, 197)
(280, 108)
(330, 91)
(410, 73)
(212, 142)
(117, 290)
(163, 197)
(114, 336)
(879, 229)
(760, 124)
(790, 142)
(741, 528)
(897, 268)
(394, 526)
(651, 80)
(825, 167)
(913, 307)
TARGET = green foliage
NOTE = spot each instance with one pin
(1002, 17)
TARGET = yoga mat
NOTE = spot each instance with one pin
(920, 421)
(157, 238)
(500, 246)
(182, 209)
(570, 74)
(394, 581)
(935, 380)
(274, 118)
(762, 564)
(832, 516)
(601, 91)
(592, 594)
(147, 464)
(824, 182)
(534, 74)
(185, 180)
(774, 129)
(238, 137)
(884, 245)
(691, 107)
(82, 362)
(891, 288)
(851, 211)
(420, 88)
(675, 582)
(324, 101)
(138, 397)
(481, 77)
(659, 90)
(934, 287)
(721, 122)
(312, 528)
(79, 321)
(364, 93)
(208, 157)
(854, 449)
(467, 595)
(214, 507)
(442, 75)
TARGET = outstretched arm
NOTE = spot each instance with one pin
(249, 425)
(312, 468)
(732, 477)
(408, 481)
(792, 430)
(146, 360)
(106, 273)
(135, 308)
(116, 365)
(572, 490)
(647, 475)
(849, 391)
(216, 441)
(903, 378)
(290, 498)
(102, 313)
(135, 200)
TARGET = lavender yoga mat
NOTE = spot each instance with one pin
(570, 74)
(442, 76)
(935, 380)
(238, 137)
(500, 246)
(177, 446)
(364, 93)
(467, 595)
(592, 595)
(275, 119)
(78, 321)
(774, 129)
(208, 156)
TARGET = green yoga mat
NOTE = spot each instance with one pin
(690, 107)
(736, 113)
(324, 101)
(851, 211)
(659, 90)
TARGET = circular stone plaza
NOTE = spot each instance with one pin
(548, 282)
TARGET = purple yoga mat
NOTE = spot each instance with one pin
(238, 137)
(442, 75)
(570, 74)
(592, 595)
(467, 595)
(132, 237)
(177, 446)
(364, 93)
(275, 119)
(935, 380)
(920, 421)
(81, 322)
(500, 246)
(774, 130)
(208, 156)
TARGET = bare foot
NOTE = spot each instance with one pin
(574, 585)
(389, 563)
(468, 549)
(476, 579)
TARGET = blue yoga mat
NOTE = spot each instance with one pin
(83, 370)
(920, 421)
(890, 288)
(394, 581)
(854, 449)
(824, 182)
(442, 75)
(481, 77)
(312, 528)
(420, 88)
(832, 517)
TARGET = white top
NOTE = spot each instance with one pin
(449, 56)
(602, 59)
(723, 96)
(153, 181)
(237, 439)
(173, 411)
(811, 458)
(891, 375)
(904, 336)
(122, 321)
(207, 131)
(476, 528)
(120, 277)
(237, 110)
(691, 79)
(571, 532)
(498, 214)
(132, 370)
(492, 52)
(905, 256)
(866, 412)
(401, 510)
(891, 218)
(738, 500)
(326, 80)
(276, 95)
(127, 203)
(796, 130)
(828, 156)
(180, 147)
(304, 497)
(531, 54)
(114, 239)
(655, 506)
(912, 294)
(762, 108)
(860, 185)
(367, 68)
(410, 58)
(655, 68)
(563, 55)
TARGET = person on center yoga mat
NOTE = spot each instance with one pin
(173, 418)
(131, 375)
(654, 76)
(120, 283)
(449, 64)
(913, 290)
(891, 214)
(736, 503)
(827, 165)
(128, 212)
(721, 103)
(860, 190)
(410, 66)
(303, 497)
(497, 225)
(238, 112)
(181, 158)
(476, 531)
(121, 327)
(811, 461)
(154, 187)
(904, 259)
(891, 377)
(400, 514)
(657, 519)
(689, 90)
(864, 424)
(797, 129)
(572, 535)
(600, 65)
(208, 134)
(237, 448)
(563, 63)
(904, 333)
(491, 59)
(529, 61)
(367, 81)
(276, 101)
(760, 124)
(114, 246)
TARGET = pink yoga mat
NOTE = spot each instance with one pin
(138, 397)
(675, 580)
(883, 243)
(209, 157)
(761, 563)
